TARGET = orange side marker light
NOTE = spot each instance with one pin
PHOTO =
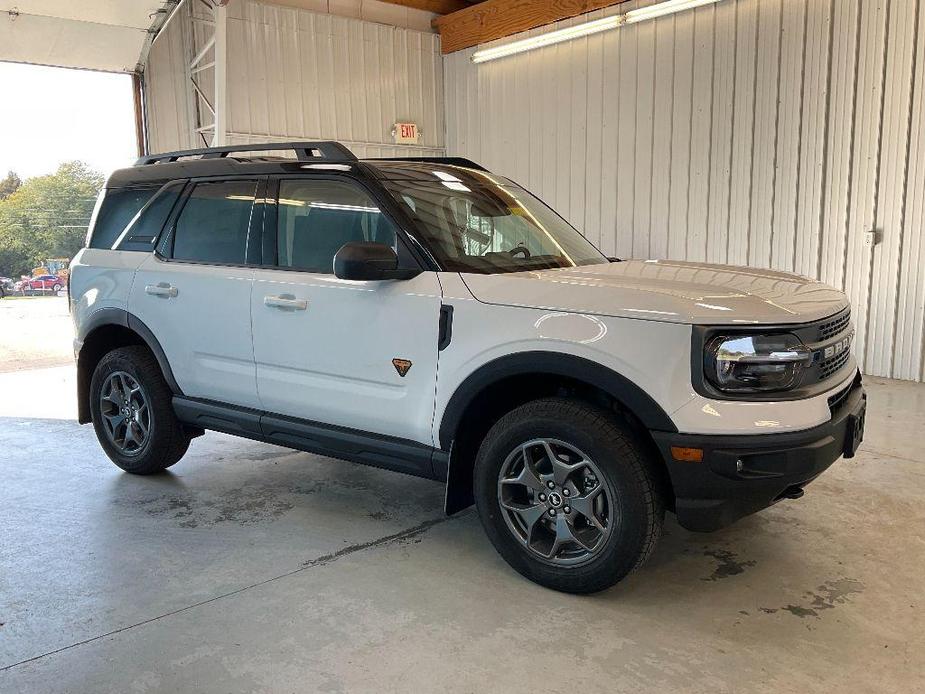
(687, 455)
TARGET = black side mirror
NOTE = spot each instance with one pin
(363, 260)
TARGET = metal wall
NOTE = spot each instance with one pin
(772, 133)
(296, 74)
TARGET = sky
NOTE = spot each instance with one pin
(51, 115)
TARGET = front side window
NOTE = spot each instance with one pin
(214, 223)
(317, 217)
(485, 226)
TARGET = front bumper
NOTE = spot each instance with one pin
(743, 474)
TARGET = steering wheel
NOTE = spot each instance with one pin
(520, 249)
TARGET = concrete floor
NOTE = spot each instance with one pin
(253, 568)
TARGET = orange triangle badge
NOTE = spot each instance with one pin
(402, 366)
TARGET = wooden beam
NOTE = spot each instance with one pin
(436, 6)
(495, 19)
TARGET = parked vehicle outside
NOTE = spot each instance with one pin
(45, 283)
(430, 317)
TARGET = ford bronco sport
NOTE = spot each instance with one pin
(433, 318)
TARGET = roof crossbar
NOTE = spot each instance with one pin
(326, 149)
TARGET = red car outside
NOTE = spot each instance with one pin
(44, 282)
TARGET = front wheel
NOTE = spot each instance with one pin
(130, 404)
(56, 288)
(567, 495)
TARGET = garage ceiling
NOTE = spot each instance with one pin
(106, 35)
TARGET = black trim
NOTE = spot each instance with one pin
(446, 327)
(376, 450)
(555, 363)
(136, 324)
(721, 489)
(124, 319)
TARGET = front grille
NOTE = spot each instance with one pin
(829, 366)
(832, 327)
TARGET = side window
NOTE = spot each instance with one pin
(142, 232)
(213, 225)
(317, 217)
(117, 209)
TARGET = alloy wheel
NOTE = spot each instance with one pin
(125, 412)
(555, 501)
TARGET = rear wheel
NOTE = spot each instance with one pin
(56, 288)
(567, 495)
(130, 404)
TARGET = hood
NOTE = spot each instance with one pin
(665, 290)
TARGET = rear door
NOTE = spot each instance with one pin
(357, 354)
(194, 293)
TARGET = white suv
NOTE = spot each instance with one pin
(430, 317)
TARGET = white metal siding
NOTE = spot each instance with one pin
(772, 133)
(168, 96)
(295, 74)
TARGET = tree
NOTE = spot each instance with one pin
(9, 185)
(47, 217)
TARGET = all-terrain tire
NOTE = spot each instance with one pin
(166, 441)
(637, 512)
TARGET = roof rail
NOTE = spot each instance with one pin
(452, 161)
(326, 149)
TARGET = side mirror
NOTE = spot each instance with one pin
(363, 260)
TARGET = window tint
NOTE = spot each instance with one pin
(143, 230)
(212, 228)
(317, 217)
(117, 209)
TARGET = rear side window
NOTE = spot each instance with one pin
(214, 222)
(142, 232)
(317, 217)
(118, 208)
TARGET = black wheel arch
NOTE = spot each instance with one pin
(107, 329)
(532, 373)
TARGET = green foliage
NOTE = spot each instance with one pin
(46, 217)
(9, 185)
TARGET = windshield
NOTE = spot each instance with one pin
(490, 227)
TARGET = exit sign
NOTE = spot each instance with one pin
(405, 133)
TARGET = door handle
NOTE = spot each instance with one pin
(161, 289)
(285, 301)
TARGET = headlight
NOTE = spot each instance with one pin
(756, 363)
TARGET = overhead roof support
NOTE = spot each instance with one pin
(220, 15)
(495, 19)
(435, 6)
(107, 35)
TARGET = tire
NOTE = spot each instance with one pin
(56, 288)
(585, 439)
(153, 438)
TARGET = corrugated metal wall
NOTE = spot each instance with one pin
(771, 133)
(168, 96)
(295, 74)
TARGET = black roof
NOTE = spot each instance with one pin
(317, 156)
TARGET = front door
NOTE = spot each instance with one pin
(348, 353)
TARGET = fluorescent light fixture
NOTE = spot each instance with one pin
(585, 29)
(595, 26)
(663, 8)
